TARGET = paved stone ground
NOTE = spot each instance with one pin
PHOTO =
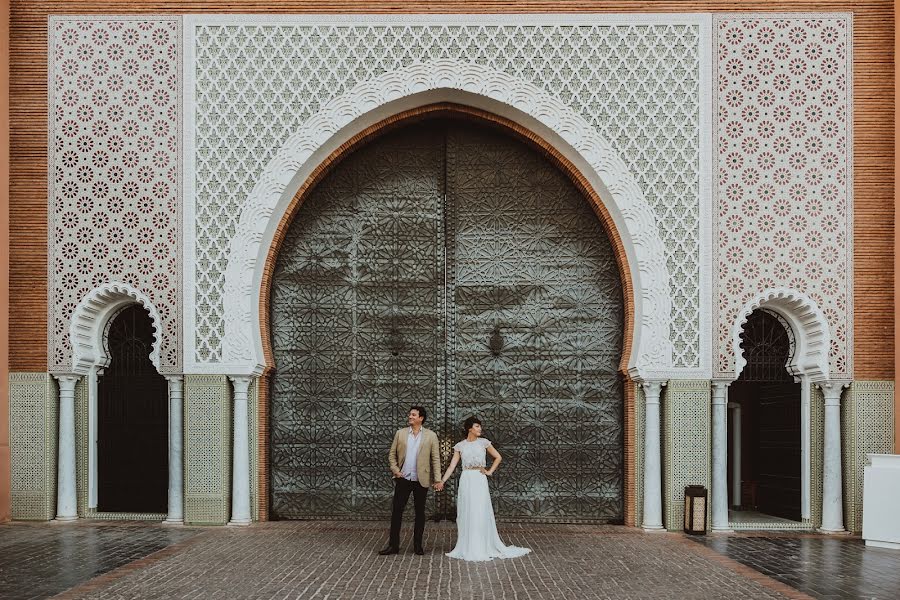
(339, 560)
(821, 566)
(336, 560)
(38, 560)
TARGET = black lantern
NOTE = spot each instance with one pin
(695, 510)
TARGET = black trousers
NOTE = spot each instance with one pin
(402, 489)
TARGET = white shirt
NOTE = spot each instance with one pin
(410, 472)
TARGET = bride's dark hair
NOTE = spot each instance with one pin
(468, 423)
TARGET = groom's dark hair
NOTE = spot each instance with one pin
(421, 412)
(469, 423)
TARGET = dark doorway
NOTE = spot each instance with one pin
(132, 415)
(770, 420)
(450, 265)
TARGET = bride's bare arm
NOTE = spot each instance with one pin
(453, 462)
(497, 458)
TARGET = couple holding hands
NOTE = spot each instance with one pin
(415, 463)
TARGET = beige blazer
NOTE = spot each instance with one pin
(428, 462)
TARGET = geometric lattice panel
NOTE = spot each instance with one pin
(817, 452)
(253, 428)
(32, 443)
(535, 330)
(258, 79)
(783, 187)
(207, 454)
(447, 248)
(686, 445)
(114, 169)
(82, 445)
(356, 327)
(867, 417)
(640, 424)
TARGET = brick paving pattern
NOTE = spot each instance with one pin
(337, 560)
(38, 560)
(822, 566)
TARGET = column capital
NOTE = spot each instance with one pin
(241, 384)
(66, 381)
(720, 391)
(652, 389)
(174, 378)
(832, 390)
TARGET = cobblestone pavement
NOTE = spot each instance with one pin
(339, 560)
(38, 560)
(821, 566)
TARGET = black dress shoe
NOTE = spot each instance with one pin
(420, 550)
(388, 550)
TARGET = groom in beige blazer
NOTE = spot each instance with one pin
(415, 463)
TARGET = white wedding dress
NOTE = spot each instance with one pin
(477, 537)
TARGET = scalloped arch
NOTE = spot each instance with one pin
(89, 320)
(468, 84)
(812, 337)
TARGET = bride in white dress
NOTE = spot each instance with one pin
(477, 537)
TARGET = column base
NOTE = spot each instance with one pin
(721, 529)
(239, 522)
(173, 522)
(60, 519)
(833, 531)
(653, 528)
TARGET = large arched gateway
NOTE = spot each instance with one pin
(451, 265)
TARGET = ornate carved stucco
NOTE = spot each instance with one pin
(114, 170)
(783, 213)
(470, 84)
(636, 82)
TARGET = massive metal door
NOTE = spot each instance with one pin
(452, 266)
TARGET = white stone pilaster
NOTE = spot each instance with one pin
(240, 474)
(652, 457)
(832, 492)
(735, 454)
(176, 447)
(66, 491)
(719, 490)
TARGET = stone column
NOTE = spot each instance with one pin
(719, 456)
(176, 444)
(735, 454)
(66, 493)
(240, 474)
(652, 461)
(832, 492)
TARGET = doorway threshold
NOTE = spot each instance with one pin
(93, 513)
(751, 520)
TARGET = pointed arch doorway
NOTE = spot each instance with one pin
(767, 456)
(451, 265)
(132, 419)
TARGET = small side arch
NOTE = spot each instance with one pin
(90, 320)
(812, 337)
